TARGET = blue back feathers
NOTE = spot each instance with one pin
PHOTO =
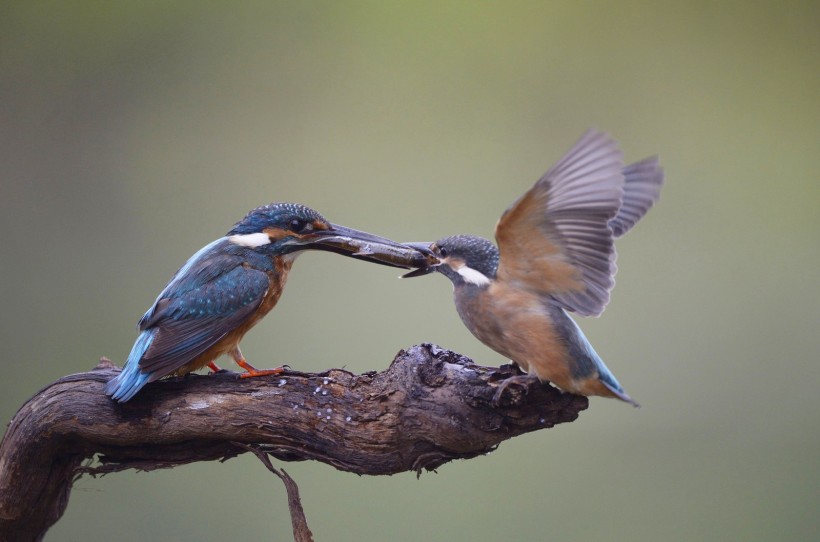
(584, 360)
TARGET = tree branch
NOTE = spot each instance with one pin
(301, 531)
(429, 407)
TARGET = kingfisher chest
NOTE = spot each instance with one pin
(277, 276)
(502, 318)
(483, 315)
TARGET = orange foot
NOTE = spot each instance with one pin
(214, 367)
(253, 371)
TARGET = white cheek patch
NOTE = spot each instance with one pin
(472, 276)
(250, 240)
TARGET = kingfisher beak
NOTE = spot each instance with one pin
(427, 269)
(366, 246)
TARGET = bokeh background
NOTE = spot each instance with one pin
(131, 134)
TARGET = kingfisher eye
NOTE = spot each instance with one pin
(299, 225)
(442, 251)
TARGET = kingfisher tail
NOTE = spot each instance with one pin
(131, 380)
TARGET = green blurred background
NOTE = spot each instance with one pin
(131, 134)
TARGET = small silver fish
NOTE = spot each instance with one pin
(394, 255)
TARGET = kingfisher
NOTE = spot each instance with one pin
(555, 255)
(224, 289)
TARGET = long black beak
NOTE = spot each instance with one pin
(366, 246)
(426, 270)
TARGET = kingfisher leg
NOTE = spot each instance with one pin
(237, 356)
(214, 367)
(521, 381)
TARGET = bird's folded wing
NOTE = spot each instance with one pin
(556, 239)
(188, 324)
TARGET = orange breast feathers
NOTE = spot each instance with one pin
(516, 324)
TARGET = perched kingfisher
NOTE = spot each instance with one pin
(555, 254)
(229, 285)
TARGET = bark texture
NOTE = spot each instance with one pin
(429, 407)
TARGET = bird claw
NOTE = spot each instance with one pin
(522, 381)
(262, 372)
(251, 371)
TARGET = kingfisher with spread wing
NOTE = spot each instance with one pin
(229, 285)
(555, 255)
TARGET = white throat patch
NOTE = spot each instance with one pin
(472, 276)
(250, 239)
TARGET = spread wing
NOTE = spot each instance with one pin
(642, 188)
(190, 320)
(557, 238)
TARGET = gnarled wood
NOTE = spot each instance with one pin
(429, 407)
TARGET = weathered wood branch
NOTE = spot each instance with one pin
(429, 407)
(301, 531)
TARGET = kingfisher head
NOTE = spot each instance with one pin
(287, 228)
(464, 259)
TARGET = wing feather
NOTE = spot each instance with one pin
(556, 238)
(190, 323)
(642, 188)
